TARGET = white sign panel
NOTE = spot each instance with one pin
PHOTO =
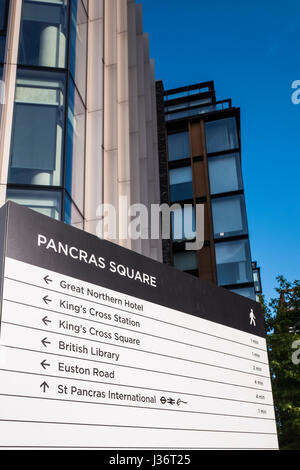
(84, 365)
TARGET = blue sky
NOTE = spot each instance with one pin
(252, 52)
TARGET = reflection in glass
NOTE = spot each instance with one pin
(181, 185)
(2, 48)
(72, 215)
(179, 146)
(43, 33)
(245, 292)
(75, 147)
(78, 49)
(183, 223)
(225, 173)
(257, 281)
(221, 135)
(44, 202)
(3, 10)
(38, 129)
(233, 262)
(229, 216)
(186, 260)
(2, 91)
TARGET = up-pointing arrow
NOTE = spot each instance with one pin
(46, 299)
(44, 386)
(47, 279)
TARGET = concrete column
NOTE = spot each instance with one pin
(110, 173)
(9, 77)
(124, 182)
(133, 114)
(94, 128)
(52, 47)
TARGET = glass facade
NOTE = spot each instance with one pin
(257, 280)
(183, 223)
(233, 262)
(220, 166)
(76, 147)
(245, 292)
(179, 146)
(78, 47)
(2, 91)
(221, 135)
(46, 202)
(38, 129)
(215, 180)
(47, 154)
(72, 215)
(44, 31)
(229, 216)
(181, 184)
(3, 24)
(186, 261)
(3, 15)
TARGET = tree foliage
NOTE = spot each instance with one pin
(282, 321)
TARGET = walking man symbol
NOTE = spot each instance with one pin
(252, 318)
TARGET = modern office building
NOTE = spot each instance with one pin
(78, 123)
(82, 123)
(200, 162)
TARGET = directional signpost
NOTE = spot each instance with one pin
(104, 348)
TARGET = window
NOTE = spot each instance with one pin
(3, 23)
(188, 104)
(2, 48)
(43, 35)
(78, 49)
(179, 146)
(190, 112)
(75, 168)
(3, 15)
(186, 261)
(2, 91)
(257, 281)
(38, 129)
(45, 202)
(245, 292)
(225, 173)
(181, 185)
(229, 216)
(183, 223)
(233, 262)
(221, 135)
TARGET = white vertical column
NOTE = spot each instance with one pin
(123, 122)
(111, 108)
(142, 119)
(52, 47)
(9, 77)
(94, 127)
(133, 114)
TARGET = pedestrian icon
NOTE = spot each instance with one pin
(252, 318)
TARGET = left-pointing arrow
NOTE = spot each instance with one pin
(45, 364)
(44, 386)
(46, 320)
(46, 299)
(45, 342)
(47, 279)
